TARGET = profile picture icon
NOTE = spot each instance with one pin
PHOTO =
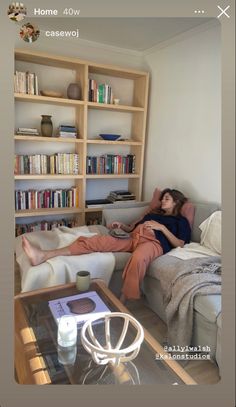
(29, 32)
(16, 11)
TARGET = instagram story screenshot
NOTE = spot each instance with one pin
(117, 202)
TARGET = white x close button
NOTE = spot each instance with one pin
(223, 12)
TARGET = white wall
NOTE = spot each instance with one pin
(184, 131)
(82, 49)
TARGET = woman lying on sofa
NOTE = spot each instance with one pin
(155, 234)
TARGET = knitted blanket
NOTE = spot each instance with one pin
(181, 282)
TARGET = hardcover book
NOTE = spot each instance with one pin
(81, 306)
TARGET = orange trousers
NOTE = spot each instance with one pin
(142, 244)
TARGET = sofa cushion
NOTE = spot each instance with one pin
(208, 305)
(211, 232)
(187, 209)
(121, 259)
(124, 215)
(202, 212)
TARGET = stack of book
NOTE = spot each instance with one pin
(121, 195)
(26, 131)
(67, 131)
(97, 203)
(26, 82)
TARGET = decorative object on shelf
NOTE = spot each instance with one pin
(110, 137)
(103, 354)
(116, 101)
(73, 91)
(67, 331)
(51, 93)
(46, 125)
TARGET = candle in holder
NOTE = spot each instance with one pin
(67, 331)
(67, 356)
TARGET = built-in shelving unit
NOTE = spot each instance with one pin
(88, 142)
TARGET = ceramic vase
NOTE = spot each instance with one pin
(73, 91)
(46, 126)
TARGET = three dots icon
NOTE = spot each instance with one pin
(199, 11)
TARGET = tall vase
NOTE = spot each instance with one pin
(46, 126)
(73, 91)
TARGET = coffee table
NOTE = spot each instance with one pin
(38, 359)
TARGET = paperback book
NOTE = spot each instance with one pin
(81, 306)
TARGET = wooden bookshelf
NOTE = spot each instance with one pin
(135, 142)
(47, 139)
(47, 176)
(45, 99)
(46, 211)
(119, 108)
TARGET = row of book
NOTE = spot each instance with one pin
(26, 82)
(48, 198)
(42, 164)
(44, 225)
(99, 93)
(110, 164)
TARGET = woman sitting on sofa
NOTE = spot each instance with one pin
(155, 234)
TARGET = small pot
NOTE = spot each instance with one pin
(73, 91)
(46, 126)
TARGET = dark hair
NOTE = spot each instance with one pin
(178, 198)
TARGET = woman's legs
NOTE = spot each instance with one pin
(82, 245)
(136, 267)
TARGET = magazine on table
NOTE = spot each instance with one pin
(81, 306)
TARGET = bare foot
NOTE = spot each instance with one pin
(35, 255)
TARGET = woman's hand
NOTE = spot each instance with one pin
(151, 224)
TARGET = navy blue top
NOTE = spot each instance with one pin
(178, 225)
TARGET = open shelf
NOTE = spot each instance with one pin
(46, 211)
(46, 99)
(47, 139)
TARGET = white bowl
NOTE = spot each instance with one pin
(105, 354)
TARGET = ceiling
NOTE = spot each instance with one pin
(138, 34)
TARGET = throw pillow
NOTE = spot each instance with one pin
(211, 232)
(187, 210)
